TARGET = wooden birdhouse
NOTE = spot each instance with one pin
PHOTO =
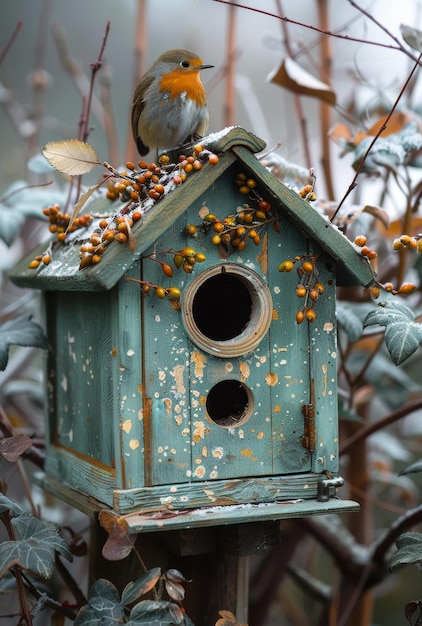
(216, 406)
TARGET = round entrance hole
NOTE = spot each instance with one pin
(227, 309)
(229, 403)
(222, 307)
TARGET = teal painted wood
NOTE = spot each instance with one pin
(143, 521)
(214, 516)
(79, 476)
(128, 416)
(352, 268)
(323, 360)
(217, 493)
(81, 328)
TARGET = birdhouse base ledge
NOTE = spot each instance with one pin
(215, 515)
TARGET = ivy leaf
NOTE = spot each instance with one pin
(103, 606)
(9, 505)
(71, 157)
(155, 613)
(20, 331)
(349, 322)
(35, 550)
(409, 550)
(140, 587)
(403, 335)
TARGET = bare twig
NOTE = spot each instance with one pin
(399, 47)
(380, 131)
(370, 429)
(10, 43)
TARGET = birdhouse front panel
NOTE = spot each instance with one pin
(231, 408)
(189, 369)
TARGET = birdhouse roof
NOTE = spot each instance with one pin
(234, 144)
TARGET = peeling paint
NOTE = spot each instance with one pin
(245, 371)
(218, 452)
(328, 327)
(204, 451)
(249, 454)
(200, 430)
(271, 379)
(324, 371)
(130, 352)
(178, 372)
(228, 367)
(133, 444)
(199, 472)
(127, 426)
(63, 384)
(168, 404)
(199, 360)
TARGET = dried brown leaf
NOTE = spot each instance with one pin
(71, 157)
(120, 542)
(81, 202)
(228, 619)
(12, 448)
(175, 591)
(292, 76)
(412, 36)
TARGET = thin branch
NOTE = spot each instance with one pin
(10, 43)
(366, 431)
(95, 67)
(380, 131)
(399, 47)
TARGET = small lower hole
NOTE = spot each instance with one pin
(229, 403)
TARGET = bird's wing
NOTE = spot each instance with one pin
(137, 107)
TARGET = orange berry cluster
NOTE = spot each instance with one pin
(307, 193)
(185, 258)
(404, 290)
(406, 241)
(234, 231)
(59, 225)
(361, 241)
(309, 288)
(152, 179)
(117, 229)
(173, 293)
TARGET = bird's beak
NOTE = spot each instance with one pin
(204, 67)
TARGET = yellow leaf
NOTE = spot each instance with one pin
(292, 76)
(71, 157)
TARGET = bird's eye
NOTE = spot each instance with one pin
(185, 63)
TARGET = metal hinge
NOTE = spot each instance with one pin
(309, 431)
